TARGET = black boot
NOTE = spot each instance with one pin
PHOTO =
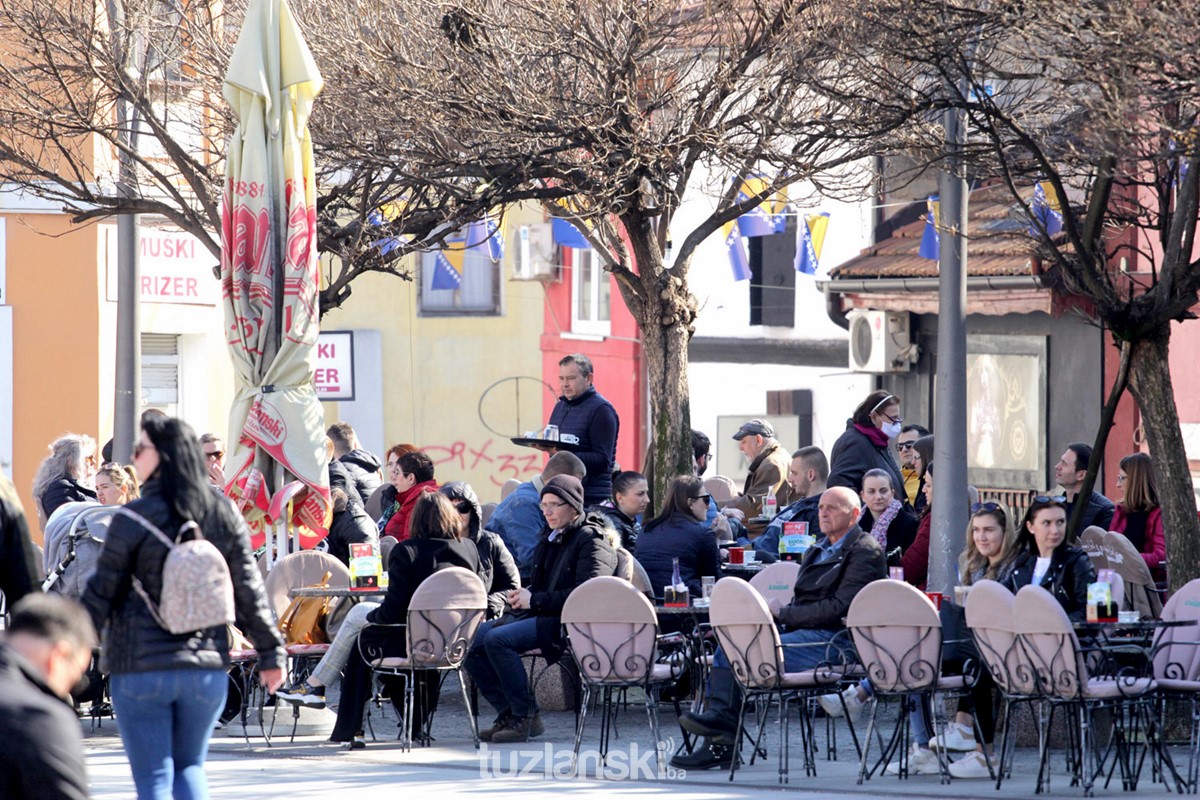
(706, 756)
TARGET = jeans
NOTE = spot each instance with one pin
(496, 667)
(166, 718)
(724, 694)
(329, 669)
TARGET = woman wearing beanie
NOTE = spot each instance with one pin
(574, 548)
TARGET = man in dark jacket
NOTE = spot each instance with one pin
(806, 477)
(575, 549)
(1069, 473)
(363, 469)
(589, 422)
(832, 572)
(45, 650)
(18, 561)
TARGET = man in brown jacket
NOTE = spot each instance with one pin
(769, 464)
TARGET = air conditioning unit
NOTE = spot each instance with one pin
(879, 341)
(535, 253)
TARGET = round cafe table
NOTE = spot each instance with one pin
(334, 591)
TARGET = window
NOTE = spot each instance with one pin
(160, 372)
(591, 293)
(773, 278)
(479, 287)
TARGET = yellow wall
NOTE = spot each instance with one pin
(436, 368)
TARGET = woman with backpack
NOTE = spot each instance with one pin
(169, 688)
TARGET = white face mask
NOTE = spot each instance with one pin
(892, 429)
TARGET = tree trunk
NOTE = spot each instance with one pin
(1107, 414)
(665, 348)
(1151, 386)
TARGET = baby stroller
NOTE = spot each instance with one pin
(75, 536)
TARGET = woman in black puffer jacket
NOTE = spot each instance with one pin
(497, 568)
(169, 689)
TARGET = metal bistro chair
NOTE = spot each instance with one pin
(1176, 661)
(1061, 677)
(613, 633)
(750, 640)
(989, 613)
(898, 635)
(443, 616)
(777, 580)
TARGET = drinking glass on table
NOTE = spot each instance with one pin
(706, 586)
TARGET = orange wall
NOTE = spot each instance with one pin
(54, 287)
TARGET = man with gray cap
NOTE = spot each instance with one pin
(769, 464)
(574, 549)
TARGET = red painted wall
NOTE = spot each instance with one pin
(617, 360)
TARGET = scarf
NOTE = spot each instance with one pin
(879, 527)
(877, 437)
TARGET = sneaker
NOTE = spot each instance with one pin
(959, 738)
(706, 756)
(303, 694)
(486, 734)
(833, 707)
(972, 765)
(515, 730)
(920, 762)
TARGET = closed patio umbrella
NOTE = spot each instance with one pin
(269, 276)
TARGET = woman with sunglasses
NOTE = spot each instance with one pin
(169, 689)
(497, 568)
(991, 541)
(679, 531)
(1044, 558)
(867, 442)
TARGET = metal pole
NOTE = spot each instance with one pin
(127, 402)
(950, 512)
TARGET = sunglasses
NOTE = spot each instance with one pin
(1059, 499)
(905, 445)
(464, 507)
(985, 508)
(704, 497)
(141, 447)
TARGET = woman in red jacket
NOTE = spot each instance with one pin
(1138, 516)
(414, 479)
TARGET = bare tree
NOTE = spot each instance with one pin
(608, 113)
(1098, 102)
(68, 63)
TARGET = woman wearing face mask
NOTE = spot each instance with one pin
(867, 442)
(631, 498)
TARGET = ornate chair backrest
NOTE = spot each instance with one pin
(898, 635)
(1129, 565)
(777, 580)
(297, 570)
(1045, 633)
(509, 487)
(990, 608)
(613, 631)
(1176, 657)
(720, 487)
(1092, 542)
(443, 616)
(747, 633)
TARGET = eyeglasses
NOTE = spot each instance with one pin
(215, 455)
(548, 507)
(905, 445)
(141, 447)
(985, 508)
(891, 419)
(704, 497)
(1059, 499)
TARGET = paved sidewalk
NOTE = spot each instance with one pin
(452, 768)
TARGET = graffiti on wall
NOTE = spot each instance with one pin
(499, 465)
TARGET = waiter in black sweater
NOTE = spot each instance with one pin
(588, 421)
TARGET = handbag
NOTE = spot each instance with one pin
(303, 621)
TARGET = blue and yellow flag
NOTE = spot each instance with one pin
(565, 234)
(448, 267)
(930, 239)
(765, 219)
(486, 231)
(738, 261)
(810, 238)
(1047, 211)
